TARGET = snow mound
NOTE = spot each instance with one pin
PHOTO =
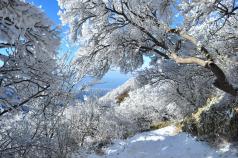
(165, 143)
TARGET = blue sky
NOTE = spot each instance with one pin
(50, 7)
(113, 78)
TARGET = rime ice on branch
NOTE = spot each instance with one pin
(118, 33)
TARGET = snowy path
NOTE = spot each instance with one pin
(164, 143)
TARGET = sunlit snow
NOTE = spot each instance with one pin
(165, 143)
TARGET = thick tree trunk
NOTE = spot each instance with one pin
(221, 81)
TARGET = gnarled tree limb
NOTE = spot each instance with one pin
(221, 81)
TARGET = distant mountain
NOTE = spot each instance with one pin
(82, 96)
(111, 81)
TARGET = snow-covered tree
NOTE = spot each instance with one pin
(95, 125)
(35, 86)
(28, 53)
(191, 88)
(118, 33)
(167, 93)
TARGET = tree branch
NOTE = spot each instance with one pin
(221, 81)
(25, 101)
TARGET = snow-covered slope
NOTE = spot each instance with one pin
(128, 86)
(165, 143)
(150, 101)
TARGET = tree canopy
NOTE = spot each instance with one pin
(118, 33)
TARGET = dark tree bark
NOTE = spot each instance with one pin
(221, 81)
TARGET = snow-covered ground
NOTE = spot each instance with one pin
(165, 143)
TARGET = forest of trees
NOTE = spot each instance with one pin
(192, 46)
